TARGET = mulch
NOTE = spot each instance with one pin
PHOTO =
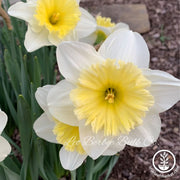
(163, 41)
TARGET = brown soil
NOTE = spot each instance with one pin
(163, 40)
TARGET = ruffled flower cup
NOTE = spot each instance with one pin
(5, 148)
(108, 99)
(52, 21)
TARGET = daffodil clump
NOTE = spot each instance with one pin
(52, 21)
(106, 96)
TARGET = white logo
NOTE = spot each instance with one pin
(164, 161)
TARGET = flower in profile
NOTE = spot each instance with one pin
(104, 27)
(5, 148)
(49, 128)
(108, 99)
(52, 21)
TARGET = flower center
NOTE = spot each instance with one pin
(101, 36)
(110, 95)
(59, 17)
(105, 22)
(54, 18)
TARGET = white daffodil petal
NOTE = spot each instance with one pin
(114, 148)
(120, 26)
(31, 0)
(41, 96)
(72, 36)
(3, 121)
(34, 41)
(72, 57)
(127, 46)
(71, 160)
(89, 39)
(59, 104)
(86, 25)
(5, 148)
(53, 38)
(94, 144)
(145, 134)
(23, 10)
(35, 26)
(165, 89)
(44, 128)
(106, 30)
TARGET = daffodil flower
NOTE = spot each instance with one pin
(104, 27)
(5, 148)
(49, 128)
(52, 21)
(108, 99)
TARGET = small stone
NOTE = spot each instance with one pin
(135, 15)
(154, 59)
(163, 48)
(176, 130)
(170, 71)
(157, 35)
(155, 147)
(172, 45)
(158, 10)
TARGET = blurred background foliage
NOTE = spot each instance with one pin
(21, 73)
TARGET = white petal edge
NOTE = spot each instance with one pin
(44, 128)
(41, 96)
(72, 57)
(86, 25)
(145, 134)
(5, 148)
(59, 104)
(3, 121)
(127, 46)
(106, 30)
(23, 10)
(71, 160)
(54, 39)
(165, 89)
(120, 26)
(94, 144)
(91, 39)
(34, 40)
(71, 36)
